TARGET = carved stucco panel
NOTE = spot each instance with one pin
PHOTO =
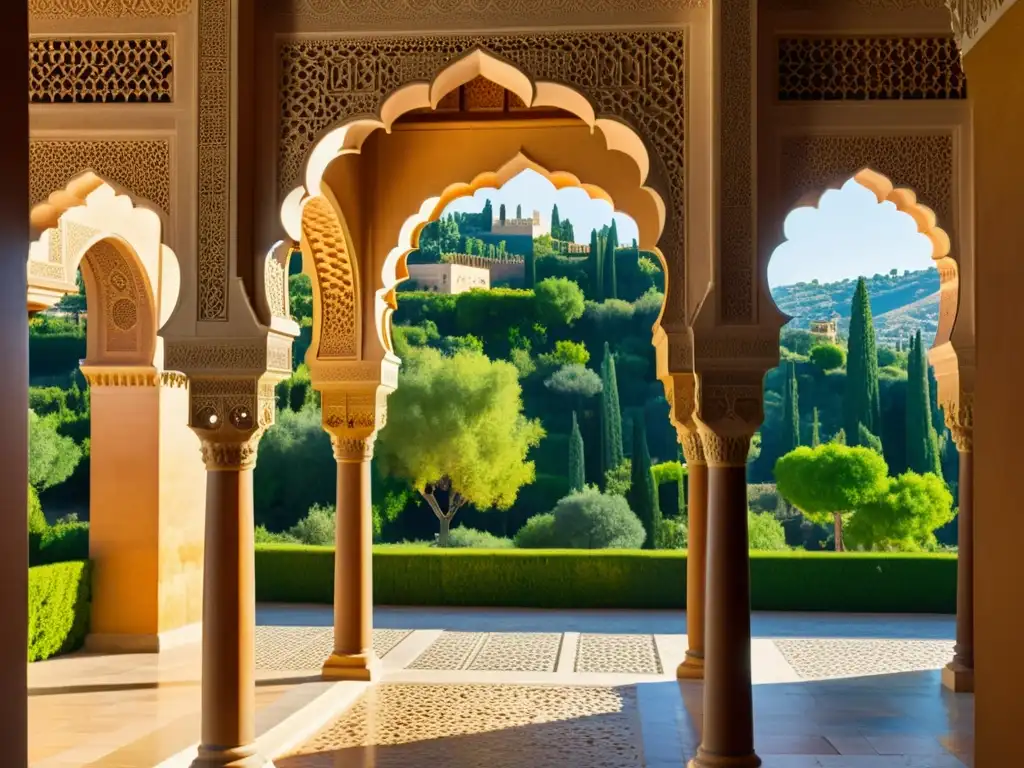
(108, 9)
(101, 70)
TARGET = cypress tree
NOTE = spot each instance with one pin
(642, 495)
(611, 414)
(577, 478)
(596, 266)
(861, 404)
(556, 223)
(922, 440)
(487, 217)
(790, 412)
(815, 430)
(501, 213)
(611, 286)
(519, 211)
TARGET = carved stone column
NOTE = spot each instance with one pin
(958, 675)
(728, 414)
(230, 416)
(353, 657)
(692, 667)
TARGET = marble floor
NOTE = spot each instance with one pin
(502, 688)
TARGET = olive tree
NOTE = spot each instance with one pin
(830, 481)
(456, 432)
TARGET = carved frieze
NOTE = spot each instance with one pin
(869, 68)
(100, 70)
(107, 9)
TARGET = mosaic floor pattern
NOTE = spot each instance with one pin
(467, 726)
(306, 648)
(824, 659)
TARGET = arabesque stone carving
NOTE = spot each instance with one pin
(730, 409)
(230, 416)
(960, 420)
(108, 9)
(337, 281)
(101, 70)
(969, 17)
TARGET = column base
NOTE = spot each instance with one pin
(364, 667)
(705, 760)
(958, 678)
(238, 757)
(691, 668)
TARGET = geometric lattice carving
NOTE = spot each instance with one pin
(87, 71)
(869, 68)
(143, 168)
(62, 10)
(636, 77)
(214, 190)
(122, 297)
(924, 163)
(737, 195)
(337, 282)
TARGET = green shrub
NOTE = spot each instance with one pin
(316, 528)
(673, 533)
(780, 581)
(61, 543)
(589, 519)
(762, 497)
(538, 533)
(36, 519)
(58, 609)
(766, 533)
(471, 538)
(263, 536)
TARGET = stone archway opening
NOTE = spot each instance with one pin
(477, 124)
(146, 478)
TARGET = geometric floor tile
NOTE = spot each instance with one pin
(307, 648)
(827, 658)
(467, 726)
(626, 654)
(518, 652)
(452, 650)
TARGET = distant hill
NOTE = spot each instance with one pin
(900, 304)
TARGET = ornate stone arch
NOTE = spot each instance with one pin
(132, 278)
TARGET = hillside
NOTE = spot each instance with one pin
(900, 304)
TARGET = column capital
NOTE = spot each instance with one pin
(729, 410)
(960, 420)
(230, 416)
(352, 416)
(352, 448)
(681, 393)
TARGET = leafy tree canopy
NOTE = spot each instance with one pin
(559, 301)
(904, 515)
(828, 357)
(52, 457)
(590, 519)
(566, 353)
(829, 479)
(575, 380)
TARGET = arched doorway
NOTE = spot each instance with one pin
(147, 483)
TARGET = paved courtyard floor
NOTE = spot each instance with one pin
(497, 688)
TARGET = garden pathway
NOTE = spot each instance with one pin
(524, 687)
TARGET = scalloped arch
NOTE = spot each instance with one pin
(905, 200)
(477, 62)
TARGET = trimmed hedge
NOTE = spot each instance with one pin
(800, 581)
(58, 608)
(60, 543)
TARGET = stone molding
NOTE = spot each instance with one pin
(971, 19)
(62, 10)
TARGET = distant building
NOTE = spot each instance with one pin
(513, 227)
(577, 249)
(825, 330)
(449, 278)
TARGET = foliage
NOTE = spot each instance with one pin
(922, 442)
(672, 502)
(762, 497)
(904, 515)
(612, 453)
(538, 533)
(575, 381)
(566, 353)
(549, 578)
(469, 538)
(815, 430)
(830, 480)
(589, 519)
(300, 298)
(828, 357)
(862, 403)
(559, 301)
(58, 608)
(316, 528)
(643, 496)
(62, 542)
(457, 426)
(791, 413)
(765, 532)
(577, 464)
(618, 481)
(868, 440)
(296, 392)
(52, 457)
(452, 345)
(36, 519)
(524, 364)
(673, 533)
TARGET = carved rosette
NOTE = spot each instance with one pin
(230, 416)
(960, 420)
(730, 409)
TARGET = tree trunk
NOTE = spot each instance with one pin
(442, 539)
(837, 522)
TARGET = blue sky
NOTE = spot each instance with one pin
(849, 234)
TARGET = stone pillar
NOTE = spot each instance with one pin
(353, 657)
(229, 585)
(729, 410)
(692, 667)
(14, 387)
(958, 675)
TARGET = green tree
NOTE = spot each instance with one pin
(830, 481)
(519, 211)
(868, 440)
(861, 404)
(456, 428)
(556, 222)
(501, 214)
(574, 380)
(52, 457)
(905, 515)
(612, 451)
(828, 357)
(642, 495)
(36, 519)
(611, 243)
(815, 430)
(765, 533)
(922, 441)
(577, 479)
(790, 412)
(559, 302)
(566, 353)
(589, 519)
(596, 263)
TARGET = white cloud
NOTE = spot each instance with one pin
(850, 234)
